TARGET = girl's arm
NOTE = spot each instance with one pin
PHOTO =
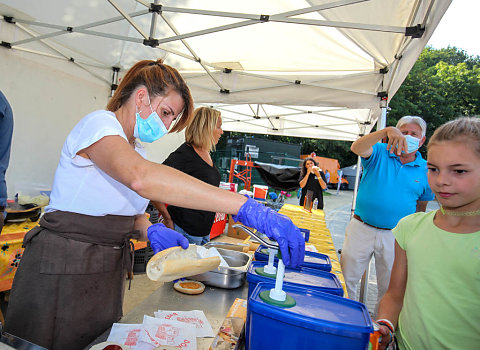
(392, 302)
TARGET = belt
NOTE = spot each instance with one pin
(378, 228)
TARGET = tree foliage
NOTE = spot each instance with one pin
(442, 85)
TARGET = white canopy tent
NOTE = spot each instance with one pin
(315, 68)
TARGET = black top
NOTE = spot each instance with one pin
(314, 186)
(194, 222)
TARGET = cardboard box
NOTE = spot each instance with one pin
(235, 232)
(231, 334)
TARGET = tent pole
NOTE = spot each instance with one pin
(381, 123)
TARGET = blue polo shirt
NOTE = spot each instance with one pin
(389, 190)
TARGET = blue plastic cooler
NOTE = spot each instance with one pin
(312, 260)
(317, 321)
(304, 277)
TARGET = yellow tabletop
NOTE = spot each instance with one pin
(320, 236)
(11, 243)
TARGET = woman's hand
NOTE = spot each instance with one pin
(141, 226)
(277, 227)
(168, 222)
(162, 237)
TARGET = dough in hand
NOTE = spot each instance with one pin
(174, 263)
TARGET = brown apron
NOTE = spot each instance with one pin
(69, 286)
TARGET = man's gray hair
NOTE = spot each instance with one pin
(408, 119)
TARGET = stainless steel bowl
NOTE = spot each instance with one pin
(227, 277)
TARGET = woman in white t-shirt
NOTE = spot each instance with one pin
(69, 287)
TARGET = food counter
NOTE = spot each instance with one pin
(214, 302)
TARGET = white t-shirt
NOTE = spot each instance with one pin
(80, 186)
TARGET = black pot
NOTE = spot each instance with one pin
(21, 212)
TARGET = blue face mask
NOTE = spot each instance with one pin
(412, 143)
(150, 129)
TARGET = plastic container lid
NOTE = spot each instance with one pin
(312, 260)
(306, 233)
(314, 310)
(303, 276)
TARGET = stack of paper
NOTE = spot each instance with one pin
(168, 328)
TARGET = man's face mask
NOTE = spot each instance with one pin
(150, 129)
(412, 143)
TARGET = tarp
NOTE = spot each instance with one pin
(279, 177)
(305, 68)
(351, 170)
(350, 174)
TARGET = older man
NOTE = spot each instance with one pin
(394, 184)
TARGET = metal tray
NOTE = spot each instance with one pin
(9, 341)
(239, 247)
(227, 277)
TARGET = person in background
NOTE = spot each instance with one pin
(433, 300)
(394, 185)
(6, 132)
(327, 176)
(193, 158)
(312, 179)
(69, 286)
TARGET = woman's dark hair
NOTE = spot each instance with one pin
(304, 167)
(159, 79)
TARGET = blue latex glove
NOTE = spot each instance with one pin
(275, 226)
(162, 237)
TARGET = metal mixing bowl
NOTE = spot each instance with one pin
(227, 277)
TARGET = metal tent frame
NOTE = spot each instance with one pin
(293, 91)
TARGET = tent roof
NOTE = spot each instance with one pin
(315, 68)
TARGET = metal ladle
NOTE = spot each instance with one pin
(276, 293)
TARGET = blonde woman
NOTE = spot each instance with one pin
(193, 158)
